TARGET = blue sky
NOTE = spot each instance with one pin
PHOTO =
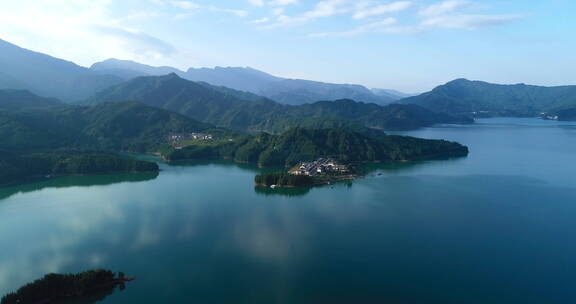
(409, 45)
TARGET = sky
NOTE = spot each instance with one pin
(408, 45)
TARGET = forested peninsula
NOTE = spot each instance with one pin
(301, 145)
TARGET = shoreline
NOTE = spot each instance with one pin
(41, 178)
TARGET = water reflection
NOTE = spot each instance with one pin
(77, 181)
(187, 240)
(423, 232)
(92, 299)
(289, 192)
(218, 162)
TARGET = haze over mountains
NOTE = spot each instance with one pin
(283, 90)
(48, 76)
(225, 107)
(248, 99)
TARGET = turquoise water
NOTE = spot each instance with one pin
(495, 227)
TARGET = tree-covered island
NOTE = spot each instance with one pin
(316, 156)
(322, 171)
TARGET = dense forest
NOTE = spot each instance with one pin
(487, 99)
(283, 179)
(126, 126)
(57, 287)
(21, 99)
(45, 138)
(18, 168)
(299, 145)
(566, 114)
(247, 112)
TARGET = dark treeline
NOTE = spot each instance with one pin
(17, 168)
(283, 179)
(56, 287)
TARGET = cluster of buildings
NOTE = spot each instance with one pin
(188, 136)
(319, 167)
(547, 116)
(177, 139)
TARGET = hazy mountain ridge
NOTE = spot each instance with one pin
(48, 76)
(223, 107)
(487, 99)
(283, 90)
(11, 99)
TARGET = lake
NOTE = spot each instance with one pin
(495, 227)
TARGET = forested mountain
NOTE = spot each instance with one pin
(568, 114)
(110, 126)
(192, 99)
(282, 90)
(299, 145)
(48, 76)
(226, 107)
(42, 137)
(465, 96)
(129, 69)
(21, 99)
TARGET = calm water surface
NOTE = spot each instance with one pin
(496, 227)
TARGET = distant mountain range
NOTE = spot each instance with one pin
(463, 96)
(48, 76)
(226, 108)
(248, 99)
(282, 90)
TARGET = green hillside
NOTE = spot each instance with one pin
(21, 167)
(464, 96)
(127, 126)
(244, 111)
(299, 145)
(21, 99)
(62, 139)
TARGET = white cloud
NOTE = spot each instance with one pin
(260, 3)
(322, 9)
(77, 29)
(326, 9)
(282, 2)
(187, 5)
(378, 26)
(442, 8)
(450, 14)
(136, 41)
(195, 7)
(257, 2)
(469, 21)
(260, 21)
(365, 9)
